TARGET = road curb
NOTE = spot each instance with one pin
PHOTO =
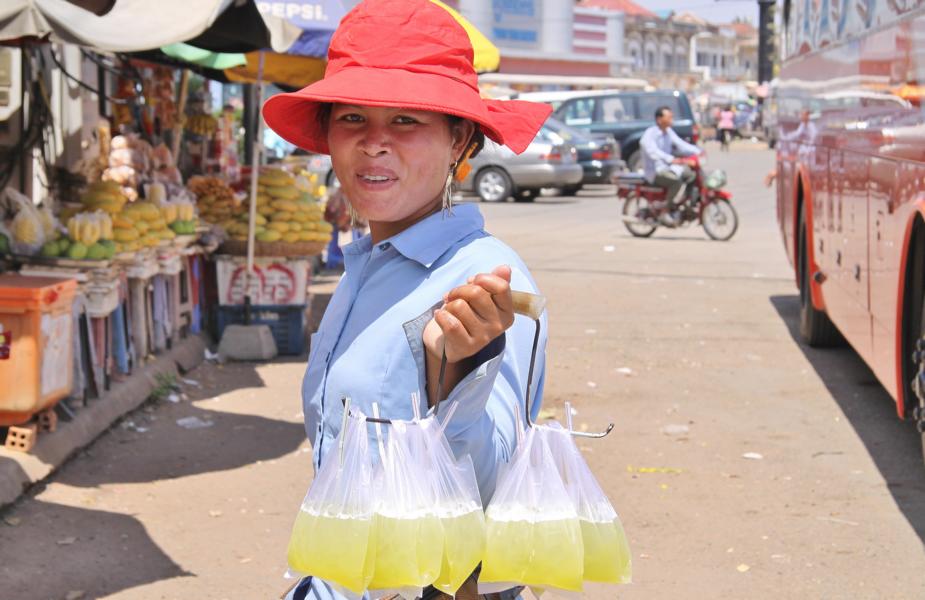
(20, 471)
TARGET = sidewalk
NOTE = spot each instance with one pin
(19, 470)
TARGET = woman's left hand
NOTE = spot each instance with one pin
(471, 317)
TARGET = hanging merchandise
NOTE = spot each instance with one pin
(27, 232)
(606, 551)
(161, 94)
(533, 533)
(458, 505)
(334, 536)
(407, 527)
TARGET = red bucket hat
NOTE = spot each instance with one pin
(401, 53)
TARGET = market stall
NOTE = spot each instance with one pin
(131, 229)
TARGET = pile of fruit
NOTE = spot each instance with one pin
(89, 237)
(141, 225)
(180, 217)
(214, 199)
(284, 213)
(107, 196)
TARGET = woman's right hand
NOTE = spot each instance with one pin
(471, 317)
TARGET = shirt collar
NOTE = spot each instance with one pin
(430, 238)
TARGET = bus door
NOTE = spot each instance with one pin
(851, 251)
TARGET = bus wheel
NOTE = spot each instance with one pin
(816, 328)
(915, 371)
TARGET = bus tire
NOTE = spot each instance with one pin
(816, 329)
(914, 326)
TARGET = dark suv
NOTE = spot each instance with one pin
(626, 115)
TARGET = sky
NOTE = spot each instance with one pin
(717, 12)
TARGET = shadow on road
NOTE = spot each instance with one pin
(894, 445)
(166, 450)
(93, 551)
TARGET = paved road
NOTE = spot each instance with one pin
(835, 508)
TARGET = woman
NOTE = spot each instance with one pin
(399, 111)
(726, 127)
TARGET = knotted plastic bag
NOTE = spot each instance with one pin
(409, 535)
(458, 507)
(606, 551)
(533, 533)
(334, 536)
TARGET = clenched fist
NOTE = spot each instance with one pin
(472, 315)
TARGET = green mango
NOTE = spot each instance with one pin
(77, 251)
(110, 247)
(96, 252)
(4, 244)
(50, 250)
(63, 244)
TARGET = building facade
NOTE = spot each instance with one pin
(726, 52)
(549, 37)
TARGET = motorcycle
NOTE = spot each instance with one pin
(645, 206)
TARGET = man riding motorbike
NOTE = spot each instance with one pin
(662, 167)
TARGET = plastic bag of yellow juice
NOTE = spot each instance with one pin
(334, 535)
(458, 507)
(409, 533)
(606, 552)
(533, 533)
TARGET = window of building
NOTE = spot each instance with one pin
(650, 59)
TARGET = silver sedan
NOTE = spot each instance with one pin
(498, 174)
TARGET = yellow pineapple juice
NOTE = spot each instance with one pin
(541, 553)
(607, 553)
(338, 549)
(407, 551)
(465, 545)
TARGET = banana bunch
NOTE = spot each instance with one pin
(89, 228)
(204, 125)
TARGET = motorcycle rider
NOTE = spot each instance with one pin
(662, 167)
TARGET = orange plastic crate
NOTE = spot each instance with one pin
(39, 371)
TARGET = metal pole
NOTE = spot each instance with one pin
(255, 171)
(765, 40)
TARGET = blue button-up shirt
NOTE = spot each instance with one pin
(369, 344)
(658, 148)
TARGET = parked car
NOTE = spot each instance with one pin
(626, 115)
(497, 173)
(598, 155)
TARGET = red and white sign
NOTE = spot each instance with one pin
(273, 283)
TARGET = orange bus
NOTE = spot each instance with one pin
(851, 181)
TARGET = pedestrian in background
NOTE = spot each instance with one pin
(726, 126)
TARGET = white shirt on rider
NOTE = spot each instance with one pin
(658, 149)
